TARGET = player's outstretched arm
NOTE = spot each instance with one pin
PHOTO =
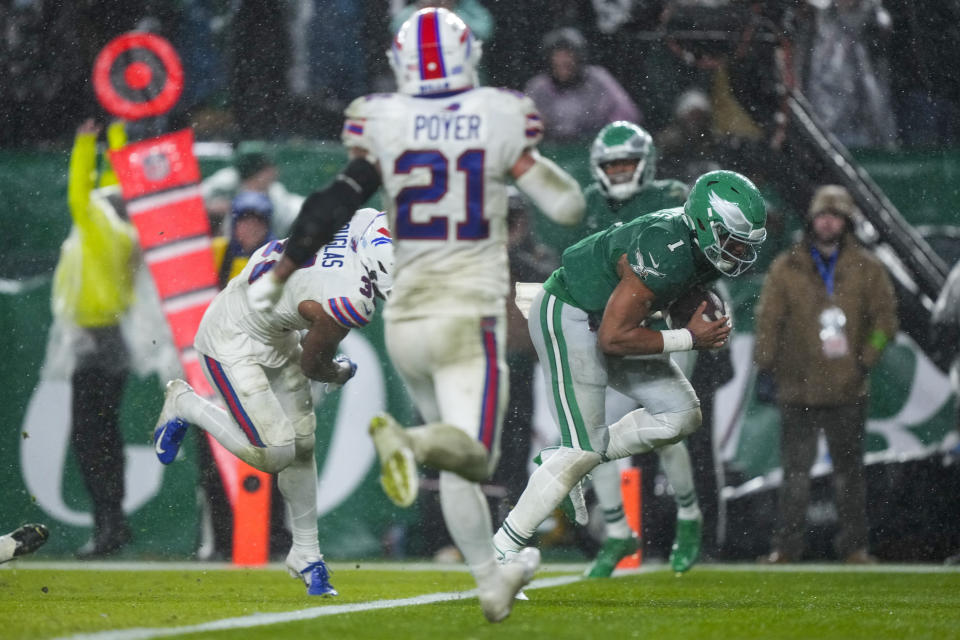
(552, 189)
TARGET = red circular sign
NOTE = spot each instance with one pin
(137, 75)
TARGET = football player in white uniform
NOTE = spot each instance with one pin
(259, 365)
(444, 150)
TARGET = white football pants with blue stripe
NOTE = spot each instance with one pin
(578, 373)
(455, 369)
(269, 423)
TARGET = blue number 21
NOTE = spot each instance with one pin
(470, 162)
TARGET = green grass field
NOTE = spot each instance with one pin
(122, 602)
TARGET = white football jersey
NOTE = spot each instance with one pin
(233, 332)
(445, 162)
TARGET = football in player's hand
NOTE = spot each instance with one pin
(680, 310)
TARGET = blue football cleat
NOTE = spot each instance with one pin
(170, 430)
(319, 580)
(167, 439)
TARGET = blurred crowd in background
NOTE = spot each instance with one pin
(283, 70)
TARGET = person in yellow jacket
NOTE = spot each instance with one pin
(92, 290)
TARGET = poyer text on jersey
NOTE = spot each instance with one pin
(446, 126)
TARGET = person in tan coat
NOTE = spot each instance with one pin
(826, 311)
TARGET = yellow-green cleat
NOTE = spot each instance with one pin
(611, 553)
(686, 545)
(398, 466)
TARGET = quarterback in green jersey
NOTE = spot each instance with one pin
(623, 164)
(588, 326)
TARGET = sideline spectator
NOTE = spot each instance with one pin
(253, 170)
(846, 80)
(93, 288)
(825, 314)
(251, 214)
(574, 98)
(688, 145)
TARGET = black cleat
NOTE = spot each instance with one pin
(29, 538)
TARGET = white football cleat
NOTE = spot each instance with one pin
(497, 600)
(312, 571)
(398, 466)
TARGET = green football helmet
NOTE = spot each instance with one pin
(728, 216)
(622, 140)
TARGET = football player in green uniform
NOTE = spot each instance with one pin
(623, 164)
(588, 324)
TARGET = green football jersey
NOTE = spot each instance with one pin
(654, 196)
(661, 252)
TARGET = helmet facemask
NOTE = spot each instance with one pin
(731, 254)
(622, 140)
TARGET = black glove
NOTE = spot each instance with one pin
(765, 387)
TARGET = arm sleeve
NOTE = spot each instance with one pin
(83, 160)
(553, 191)
(116, 139)
(324, 212)
(348, 313)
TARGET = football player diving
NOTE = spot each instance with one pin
(623, 164)
(588, 326)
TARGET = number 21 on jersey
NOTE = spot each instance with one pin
(468, 167)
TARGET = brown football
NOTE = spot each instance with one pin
(680, 310)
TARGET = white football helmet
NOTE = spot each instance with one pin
(372, 241)
(434, 52)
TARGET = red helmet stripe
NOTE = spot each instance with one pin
(431, 55)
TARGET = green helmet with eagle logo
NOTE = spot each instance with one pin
(728, 216)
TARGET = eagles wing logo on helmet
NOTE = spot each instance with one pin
(730, 212)
(728, 216)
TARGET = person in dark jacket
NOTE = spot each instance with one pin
(825, 314)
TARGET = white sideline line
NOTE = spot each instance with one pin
(263, 619)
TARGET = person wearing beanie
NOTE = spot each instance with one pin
(251, 213)
(826, 311)
(252, 170)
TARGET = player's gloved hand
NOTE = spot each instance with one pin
(765, 387)
(347, 369)
(264, 292)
